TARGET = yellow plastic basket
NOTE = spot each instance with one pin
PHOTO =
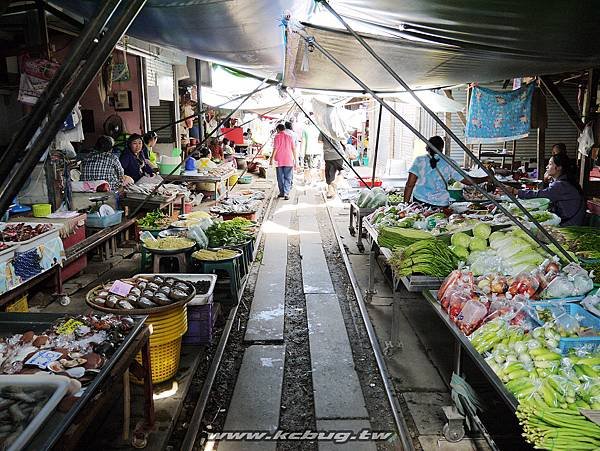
(165, 344)
(165, 361)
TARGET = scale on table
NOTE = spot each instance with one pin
(102, 208)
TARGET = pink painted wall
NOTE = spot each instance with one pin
(133, 121)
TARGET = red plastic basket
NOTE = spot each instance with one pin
(369, 182)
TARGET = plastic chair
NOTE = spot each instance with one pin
(231, 268)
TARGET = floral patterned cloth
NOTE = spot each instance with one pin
(497, 116)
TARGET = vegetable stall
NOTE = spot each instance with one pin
(523, 316)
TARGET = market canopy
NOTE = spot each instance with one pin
(431, 43)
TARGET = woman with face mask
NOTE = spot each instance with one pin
(132, 159)
(564, 190)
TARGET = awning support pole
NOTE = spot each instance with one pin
(66, 72)
(443, 156)
(12, 184)
(199, 105)
(331, 143)
(206, 138)
(451, 133)
(377, 144)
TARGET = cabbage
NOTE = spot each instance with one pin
(482, 230)
(496, 236)
(460, 239)
(460, 251)
(478, 244)
(512, 247)
(528, 256)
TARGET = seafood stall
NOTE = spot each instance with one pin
(90, 352)
(29, 254)
(215, 176)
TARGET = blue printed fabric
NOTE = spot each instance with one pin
(27, 264)
(497, 116)
(430, 187)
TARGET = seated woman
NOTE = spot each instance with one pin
(133, 161)
(103, 164)
(564, 191)
(150, 140)
(215, 149)
(205, 160)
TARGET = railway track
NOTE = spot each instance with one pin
(207, 404)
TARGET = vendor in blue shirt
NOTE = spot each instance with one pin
(132, 160)
(429, 176)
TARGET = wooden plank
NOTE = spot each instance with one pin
(95, 240)
(541, 159)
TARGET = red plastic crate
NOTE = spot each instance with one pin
(368, 182)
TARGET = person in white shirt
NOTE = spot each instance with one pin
(312, 150)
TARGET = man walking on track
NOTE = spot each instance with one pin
(284, 154)
(334, 163)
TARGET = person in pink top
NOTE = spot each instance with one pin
(284, 154)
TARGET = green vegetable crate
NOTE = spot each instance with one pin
(585, 318)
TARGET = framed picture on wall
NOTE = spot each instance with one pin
(123, 101)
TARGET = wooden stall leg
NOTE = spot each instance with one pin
(371, 288)
(126, 405)
(148, 388)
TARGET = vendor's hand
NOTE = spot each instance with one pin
(127, 180)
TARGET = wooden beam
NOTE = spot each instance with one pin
(541, 157)
(589, 103)
(562, 102)
(461, 115)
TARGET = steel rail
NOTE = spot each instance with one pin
(447, 129)
(401, 425)
(11, 185)
(194, 423)
(443, 156)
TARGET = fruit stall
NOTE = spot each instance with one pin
(525, 317)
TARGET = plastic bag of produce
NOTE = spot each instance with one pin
(559, 287)
(197, 234)
(592, 304)
(471, 316)
(524, 284)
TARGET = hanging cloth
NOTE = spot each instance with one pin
(497, 116)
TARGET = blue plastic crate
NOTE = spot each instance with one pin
(585, 318)
(99, 222)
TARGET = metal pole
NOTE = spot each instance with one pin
(10, 186)
(443, 156)
(377, 144)
(176, 168)
(329, 141)
(446, 129)
(67, 71)
(199, 99)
